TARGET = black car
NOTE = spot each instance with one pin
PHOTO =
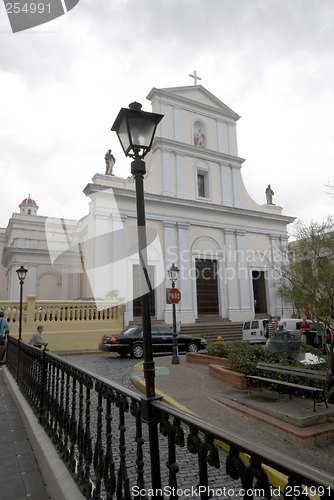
(131, 342)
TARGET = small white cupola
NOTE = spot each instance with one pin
(28, 206)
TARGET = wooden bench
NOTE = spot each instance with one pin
(291, 372)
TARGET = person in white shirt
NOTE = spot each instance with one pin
(36, 339)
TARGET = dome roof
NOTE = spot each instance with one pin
(29, 201)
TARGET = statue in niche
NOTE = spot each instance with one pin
(269, 195)
(200, 139)
(110, 162)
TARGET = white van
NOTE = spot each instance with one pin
(254, 331)
(293, 325)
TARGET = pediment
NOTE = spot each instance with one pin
(196, 95)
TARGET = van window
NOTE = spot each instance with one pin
(255, 324)
(247, 325)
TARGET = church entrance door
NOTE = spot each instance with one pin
(136, 291)
(259, 289)
(207, 287)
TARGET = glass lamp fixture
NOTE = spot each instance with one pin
(21, 273)
(135, 130)
(173, 273)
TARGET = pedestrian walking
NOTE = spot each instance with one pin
(4, 329)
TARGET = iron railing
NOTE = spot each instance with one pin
(105, 435)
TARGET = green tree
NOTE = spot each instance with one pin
(306, 272)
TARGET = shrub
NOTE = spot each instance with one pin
(243, 358)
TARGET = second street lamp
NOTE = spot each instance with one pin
(173, 273)
(21, 273)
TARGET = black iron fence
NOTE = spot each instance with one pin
(118, 445)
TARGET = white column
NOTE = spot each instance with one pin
(102, 254)
(180, 176)
(243, 273)
(231, 273)
(226, 184)
(64, 283)
(232, 139)
(275, 256)
(76, 282)
(185, 264)
(171, 257)
(119, 256)
(164, 122)
(32, 279)
(177, 123)
(15, 294)
(236, 186)
(220, 133)
(167, 174)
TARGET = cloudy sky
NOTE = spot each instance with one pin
(63, 83)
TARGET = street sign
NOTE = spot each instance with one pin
(174, 296)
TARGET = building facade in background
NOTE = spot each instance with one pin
(198, 214)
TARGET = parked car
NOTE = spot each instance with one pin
(131, 342)
(254, 331)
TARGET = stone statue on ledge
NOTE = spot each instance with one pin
(200, 139)
(269, 195)
(110, 162)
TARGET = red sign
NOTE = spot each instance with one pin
(174, 296)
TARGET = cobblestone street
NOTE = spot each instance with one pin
(119, 370)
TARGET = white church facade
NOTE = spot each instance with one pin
(198, 215)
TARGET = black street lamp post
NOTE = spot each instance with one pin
(135, 129)
(173, 273)
(21, 273)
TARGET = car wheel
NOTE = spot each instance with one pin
(137, 351)
(192, 347)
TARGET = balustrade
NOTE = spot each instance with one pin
(98, 428)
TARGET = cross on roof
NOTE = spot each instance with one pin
(195, 77)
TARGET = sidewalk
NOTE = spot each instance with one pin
(257, 416)
(19, 472)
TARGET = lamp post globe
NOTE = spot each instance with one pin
(21, 273)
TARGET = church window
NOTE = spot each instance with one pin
(200, 185)
(29, 211)
(203, 183)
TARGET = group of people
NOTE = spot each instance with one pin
(273, 324)
(36, 340)
(276, 323)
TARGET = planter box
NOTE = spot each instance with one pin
(204, 359)
(217, 369)
(234, 379)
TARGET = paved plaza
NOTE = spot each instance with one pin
(191, 387)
